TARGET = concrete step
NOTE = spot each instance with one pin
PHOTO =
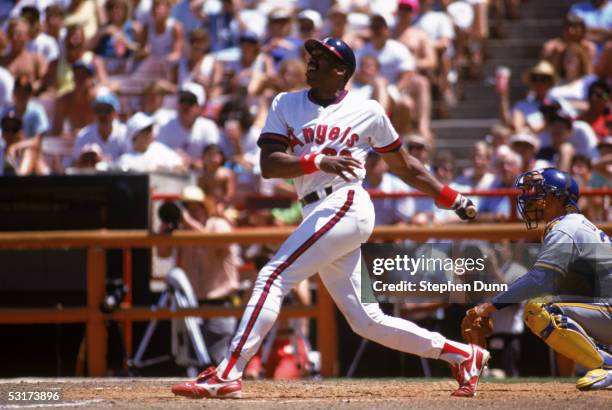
(484, 92)
(546, 8)
(532, 28)
(459, 132)
(515, 48)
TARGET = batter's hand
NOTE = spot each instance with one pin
(465, 208)
(340, 165)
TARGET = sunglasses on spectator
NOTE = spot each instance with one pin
(540, 78)
(103, 109)
(601, 94)
(306, 26)
(187, 100)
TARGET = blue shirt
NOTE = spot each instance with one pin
(34, 119)
(593, 17)
(495, 204)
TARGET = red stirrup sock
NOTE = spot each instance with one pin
(455, 352)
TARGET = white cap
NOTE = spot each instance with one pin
(138, 122)
(526, 137)
(192, 193)
(92, 147)
(195, 89)
(313, 16)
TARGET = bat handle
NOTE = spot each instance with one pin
(470, 211)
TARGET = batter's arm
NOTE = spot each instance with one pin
(411, 171)
(275, 162)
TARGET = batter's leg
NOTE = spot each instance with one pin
(326, 232)
(342, 278)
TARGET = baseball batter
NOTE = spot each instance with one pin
(574, 270)
(321, 137)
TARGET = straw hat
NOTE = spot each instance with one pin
(543, 68)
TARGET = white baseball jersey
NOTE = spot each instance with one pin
(351, 126)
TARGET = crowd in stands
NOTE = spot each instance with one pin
(184, 86)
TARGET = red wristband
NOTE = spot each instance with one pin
(447, 197)
(307, 162)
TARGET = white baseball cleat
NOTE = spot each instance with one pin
(209, 384)
(468, 372)
(596, 379)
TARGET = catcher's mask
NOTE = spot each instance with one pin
(536, 185)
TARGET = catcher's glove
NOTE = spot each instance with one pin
(475, 329)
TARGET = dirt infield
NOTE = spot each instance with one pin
(312, 395)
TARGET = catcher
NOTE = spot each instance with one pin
(572, 277)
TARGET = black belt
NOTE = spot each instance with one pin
(315, 196)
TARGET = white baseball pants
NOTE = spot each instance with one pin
(327, 241)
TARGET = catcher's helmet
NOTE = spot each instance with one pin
(535, 185)
(337, 48)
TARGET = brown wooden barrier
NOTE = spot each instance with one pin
(97, 240)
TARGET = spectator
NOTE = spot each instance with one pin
(59, 79)
(421, 148)
(397, 66)
(582, 171)
(599, 96)
(222, 26)
(338, 27)
(526, 113)
(388, 210)
(20, 156)
(527, 146)
(478, 176)
(85, 14)
(309, 24)
(508, 166)
(162, 35)
(6, 87)
(217, 181)
(239, 142)
(562, 137)
(187, 132)
(368, 82)
(280, 44)
(574, 32)
(597, 15)
(18, 60)
(147, 155)
(603, 69)
(40, 42)
(414, 38)
(74, 109)
(498, 136)
(115, 42)
(153, 99)
(574, 68)
(31, 113)
(106, 131)
(439, 28)
(198, 65)
(191, 15)
(90, 161)
(291, 77)
(54, 24)
(212, 271)
(603, 164)
(233, 76)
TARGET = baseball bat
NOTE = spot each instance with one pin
(470, 211)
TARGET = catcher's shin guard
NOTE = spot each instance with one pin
(563, 334)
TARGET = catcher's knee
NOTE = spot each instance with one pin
(562, 333)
